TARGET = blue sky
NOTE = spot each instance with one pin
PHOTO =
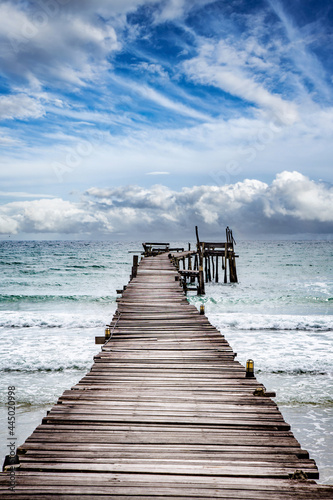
(143, 116)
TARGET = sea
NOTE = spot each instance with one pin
(56, 296)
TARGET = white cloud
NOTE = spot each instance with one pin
(8, 225)
(158, 173)
(300, 40)
(223, 66)
(20, 106)
(105, 7)
(155, 96)
(293, 194)
(221, 151)
(7, 140)
(292, 203)
(151, 68)
(144, 128)
(171, 10)
(20, 194)
(50, 216)
(44, 46)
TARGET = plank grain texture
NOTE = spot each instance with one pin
(164, 412)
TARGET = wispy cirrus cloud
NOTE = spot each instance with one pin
(158, 173)
(300, 42)
(22, 194)
(233, 67)
(151, 94)
(20, 106)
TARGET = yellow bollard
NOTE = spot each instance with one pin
(249, 368)
(202, 309)
(107, 333)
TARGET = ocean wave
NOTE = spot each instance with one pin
(32, 272)
(11, 263)
(26, 405)
(79, 266)
(8, 298)
(273, 322)
(31, 269)
(10, 319)
(294, 371)
(264, 299)
(43, 369)
(323, 403)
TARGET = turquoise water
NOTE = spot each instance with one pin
(55, 297)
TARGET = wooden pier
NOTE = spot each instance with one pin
(165, 412)
(205, 265)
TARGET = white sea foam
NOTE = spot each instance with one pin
(30, 319)
(250, 321)
(49, 342)
(32, 350)
(290, 345)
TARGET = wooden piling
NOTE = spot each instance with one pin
(225, 263)
(201, 285)
(232, 269)
(134, 266)
(217, 270)
(213, 269)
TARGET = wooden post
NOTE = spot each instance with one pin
(235, 272)
(208, 268)
(189, 265)
(197, 235)
(217, 270)
(201, 285)
(225, 263)
(135, 266)
(201, 275)
(232, 269)
(231, 275)
(213, 267)
(184, 284)
(232, 260)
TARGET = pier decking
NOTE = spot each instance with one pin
(165, 412)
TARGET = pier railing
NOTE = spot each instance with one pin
(200, 266)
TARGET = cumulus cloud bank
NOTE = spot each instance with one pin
(292, 203)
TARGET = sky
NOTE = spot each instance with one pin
(126, 119)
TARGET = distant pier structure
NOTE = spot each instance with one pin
(200, 266)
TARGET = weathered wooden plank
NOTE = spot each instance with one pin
(100, 455)
(158, 438)
(240, 470)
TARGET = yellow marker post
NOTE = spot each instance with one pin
(249, 368)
